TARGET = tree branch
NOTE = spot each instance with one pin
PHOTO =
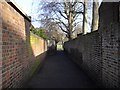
(62, 14)
(75, 2)
(62, 29)
(60, 21)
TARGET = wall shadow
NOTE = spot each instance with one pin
(100, 49)
(19, 62)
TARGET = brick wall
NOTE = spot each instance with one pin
(17, 53)
(109, 29)
(38, 44)
(86, 52)
(0, 46)
(98, 52)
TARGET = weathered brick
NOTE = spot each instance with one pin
(16, 52)
(100, 50)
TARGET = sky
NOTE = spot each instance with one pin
(25, 5)
(30, 9)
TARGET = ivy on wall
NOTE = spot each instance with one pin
(39, 32)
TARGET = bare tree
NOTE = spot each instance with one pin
(52, 30)
(65, 14)
(78, 31)
(95, 17)
(85, 18)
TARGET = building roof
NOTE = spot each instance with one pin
(18, 9)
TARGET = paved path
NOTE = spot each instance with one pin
(59, 72)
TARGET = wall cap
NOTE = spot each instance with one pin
(18, 9)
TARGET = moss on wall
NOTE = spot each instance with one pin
(37, 45)
(34, 67)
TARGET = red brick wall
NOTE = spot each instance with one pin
(0, 47)
(17, 53)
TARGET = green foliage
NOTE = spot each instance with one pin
(39, 32)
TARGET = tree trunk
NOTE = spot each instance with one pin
(70, 22)
(85, 18)
(95, 17)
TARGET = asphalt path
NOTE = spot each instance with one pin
(59, 71)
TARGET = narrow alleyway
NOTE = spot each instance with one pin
(59, 72)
